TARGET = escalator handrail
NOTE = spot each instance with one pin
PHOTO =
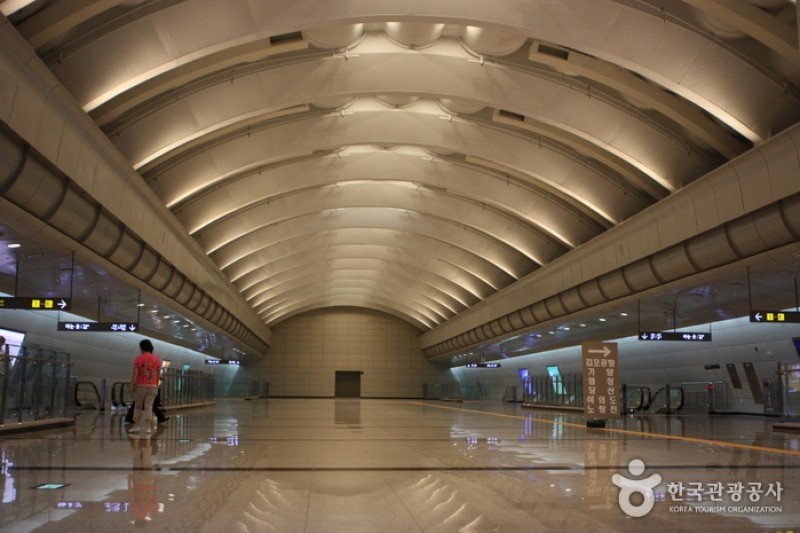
(96, 391)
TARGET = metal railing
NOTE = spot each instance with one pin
(789, 375)
(705, 396)
(34, 384)
(182, 388)
(179, 388)
(546, 391)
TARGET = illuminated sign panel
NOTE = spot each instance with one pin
(764, 317)
(222, 362)
(483, 365)
(112, 327)
(35, 304)
(685, 336)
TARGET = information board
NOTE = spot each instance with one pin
(600, 379)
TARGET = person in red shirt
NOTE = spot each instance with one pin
(144, 386)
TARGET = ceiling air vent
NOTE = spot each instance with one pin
(553, 51)
(509, 115)
(285, 38)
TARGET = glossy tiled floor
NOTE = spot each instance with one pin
(397, 466)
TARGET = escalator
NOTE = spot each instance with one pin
(666, 400)
(640, 399)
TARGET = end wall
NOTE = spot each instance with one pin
(308, 349)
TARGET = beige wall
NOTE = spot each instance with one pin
(308, 349)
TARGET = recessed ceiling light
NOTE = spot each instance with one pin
(623, 314)
(601, 319)
(14, 245)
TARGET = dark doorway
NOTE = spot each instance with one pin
(348, 384)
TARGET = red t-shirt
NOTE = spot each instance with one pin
(149, 369)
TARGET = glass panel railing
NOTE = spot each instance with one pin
(34, 385)
(546, 391)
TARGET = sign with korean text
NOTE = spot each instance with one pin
(686, 336)
(600, 379)
(109, 327)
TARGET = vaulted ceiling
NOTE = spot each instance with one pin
(415, 157)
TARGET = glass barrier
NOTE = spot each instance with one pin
(34, 384)
(186, 387)
(790, 394)
(553, 391)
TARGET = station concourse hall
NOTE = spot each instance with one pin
(406, 266)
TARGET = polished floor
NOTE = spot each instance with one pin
(325, 465)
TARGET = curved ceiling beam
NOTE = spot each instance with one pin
(396, 198)
(561, 220)
(380, 284)
(60, 17)
(346, 301)
(616, 32)
(164, 135)
(258, 247)
(410, 257)
(419, 125)
(173, 76)
(641, 92)
(433, 284)
(756, 23)
(414, 252)
(347, 285)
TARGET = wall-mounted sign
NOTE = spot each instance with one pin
(775, 316)
(222, 362)
(686, 336)
(115, 327)
(35, 304)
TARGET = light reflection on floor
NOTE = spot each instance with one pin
(318, 465)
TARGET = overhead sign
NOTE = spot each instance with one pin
(115, 327)
(600, 378)
(222, 362)
(775, 316)
(483, 365)
(686, 336)
(35, 304)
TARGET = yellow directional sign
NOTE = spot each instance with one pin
(35, 303)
